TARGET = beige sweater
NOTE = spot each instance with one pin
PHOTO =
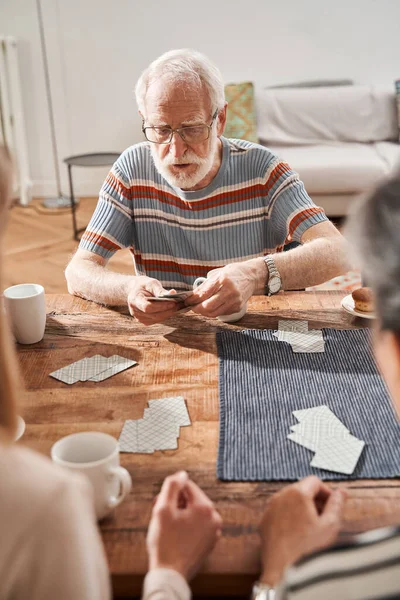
(50, 545)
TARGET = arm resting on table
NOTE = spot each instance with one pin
(88, 278)
(323, 255)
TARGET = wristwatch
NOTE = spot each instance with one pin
(274, 282)
(262, 591)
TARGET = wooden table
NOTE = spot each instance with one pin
(175, 359)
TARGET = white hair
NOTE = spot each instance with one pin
(186, 65)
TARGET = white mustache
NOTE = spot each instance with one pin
(183, 160)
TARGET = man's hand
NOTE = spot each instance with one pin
(184, 527)
(147, 311)
(302, 518)
(227, 290)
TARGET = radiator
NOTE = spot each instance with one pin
(12, 125)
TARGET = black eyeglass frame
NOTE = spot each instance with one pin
(178, 130)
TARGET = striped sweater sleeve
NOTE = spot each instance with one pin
(110, 227)
(366, 568)
(290, 209)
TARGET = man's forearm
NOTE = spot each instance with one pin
(312, 263)
(94, 282)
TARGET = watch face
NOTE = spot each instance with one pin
(274, 285)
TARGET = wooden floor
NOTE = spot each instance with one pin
(39, 244)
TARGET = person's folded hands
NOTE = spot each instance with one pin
(147, 311)
(225, 291)
(184, 527)
(300, 519)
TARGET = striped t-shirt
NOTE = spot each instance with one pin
(366, 568)
(253, 206)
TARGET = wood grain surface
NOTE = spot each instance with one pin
(177, 358)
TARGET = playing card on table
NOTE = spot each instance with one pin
(322, 432)
(116, 364)
(80, 370)
(158, 429)
(172, 410)
(318, 412)
(149, 414)
(340, 456)
(128, 440)
(308, 341)
(302, 341)
(154, 434)
(147, 435)
(94, 368)
(294, 326)
(302, 441)
(320, 425)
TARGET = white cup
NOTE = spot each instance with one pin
(96, 455)
(26, 309)
(224, 318)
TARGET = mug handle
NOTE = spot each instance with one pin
(125, 485)
(198, 282)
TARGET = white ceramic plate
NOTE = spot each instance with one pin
(20, 428)
(348, 305)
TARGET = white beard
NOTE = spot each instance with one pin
(183, 180)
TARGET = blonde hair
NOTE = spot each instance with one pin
(189, 66)
(9, 372)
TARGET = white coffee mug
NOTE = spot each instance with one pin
(96, 455)
(224, 318)
(26, 309)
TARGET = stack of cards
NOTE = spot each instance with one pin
(95, 368)
(175, 297)
(322, 432)
(301, 339)
(158, 430)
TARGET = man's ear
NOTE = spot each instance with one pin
(221, 120)
(141, 116)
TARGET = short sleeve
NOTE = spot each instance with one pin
(110, 227)
(290, 209)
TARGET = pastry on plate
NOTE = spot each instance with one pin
(363, 299)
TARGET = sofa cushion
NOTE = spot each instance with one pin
(241, 115)
(340, 167)
(390, 154)
(352, 113)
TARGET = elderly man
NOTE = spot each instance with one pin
(189, 202)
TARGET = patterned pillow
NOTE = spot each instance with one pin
(241, 116)
(397, 86)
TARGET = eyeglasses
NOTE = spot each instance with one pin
(191, 134)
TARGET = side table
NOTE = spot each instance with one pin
(96, 159)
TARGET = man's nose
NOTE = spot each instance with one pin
(177, 146)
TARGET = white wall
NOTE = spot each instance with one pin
(97, 49)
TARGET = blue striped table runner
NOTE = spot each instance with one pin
(261, 381)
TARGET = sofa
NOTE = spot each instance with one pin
(340, 139)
